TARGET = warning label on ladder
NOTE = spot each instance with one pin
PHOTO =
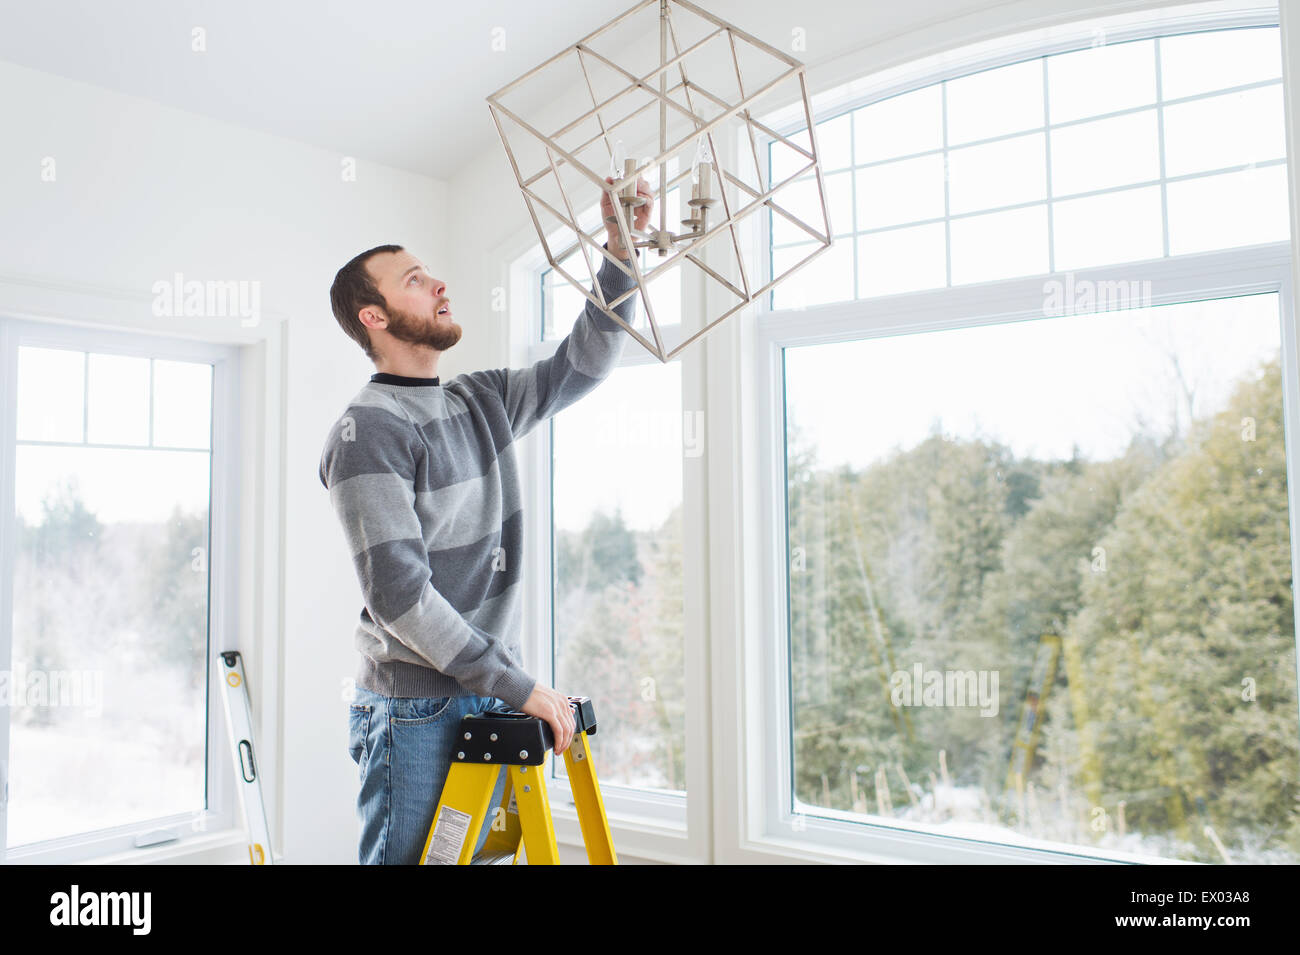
(449, 832)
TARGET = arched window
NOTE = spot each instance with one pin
(1113, 153)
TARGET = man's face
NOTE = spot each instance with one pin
(419, 311)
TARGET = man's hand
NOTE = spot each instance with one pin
(547, 704)
(640, 216)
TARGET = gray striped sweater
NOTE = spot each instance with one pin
(423, 478)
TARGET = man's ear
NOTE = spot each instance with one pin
(372, 318)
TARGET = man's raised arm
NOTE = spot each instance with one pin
(582, 360)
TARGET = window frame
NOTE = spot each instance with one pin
(1251, 270)
(222, 817)
(650, 804)
(765, 785)
(653, 824)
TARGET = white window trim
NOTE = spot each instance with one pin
(659, 826)
(245, 545)
(765, 831)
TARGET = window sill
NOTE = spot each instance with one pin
(903, 848)
(229, 847)
(634, 836)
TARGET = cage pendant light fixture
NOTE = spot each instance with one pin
(669, 93)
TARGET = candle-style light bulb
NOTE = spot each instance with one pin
(616, 160)
(700, 169)
(618, 168)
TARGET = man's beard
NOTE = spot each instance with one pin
(406, 327)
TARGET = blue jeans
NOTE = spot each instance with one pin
(403, 747)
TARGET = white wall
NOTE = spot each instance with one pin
(144, 191)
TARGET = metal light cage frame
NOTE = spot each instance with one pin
(733, 212)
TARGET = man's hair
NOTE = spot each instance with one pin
(353, 290)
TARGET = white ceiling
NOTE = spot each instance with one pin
(401, 82)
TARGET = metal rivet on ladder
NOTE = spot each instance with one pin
(523, 754)
(468, 736)
(487, 755)
(493, 737)
(528, 789)
(460, 755)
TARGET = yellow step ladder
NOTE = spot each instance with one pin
(519, 744)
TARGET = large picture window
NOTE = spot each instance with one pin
(1037, 572)
(1044, 600)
